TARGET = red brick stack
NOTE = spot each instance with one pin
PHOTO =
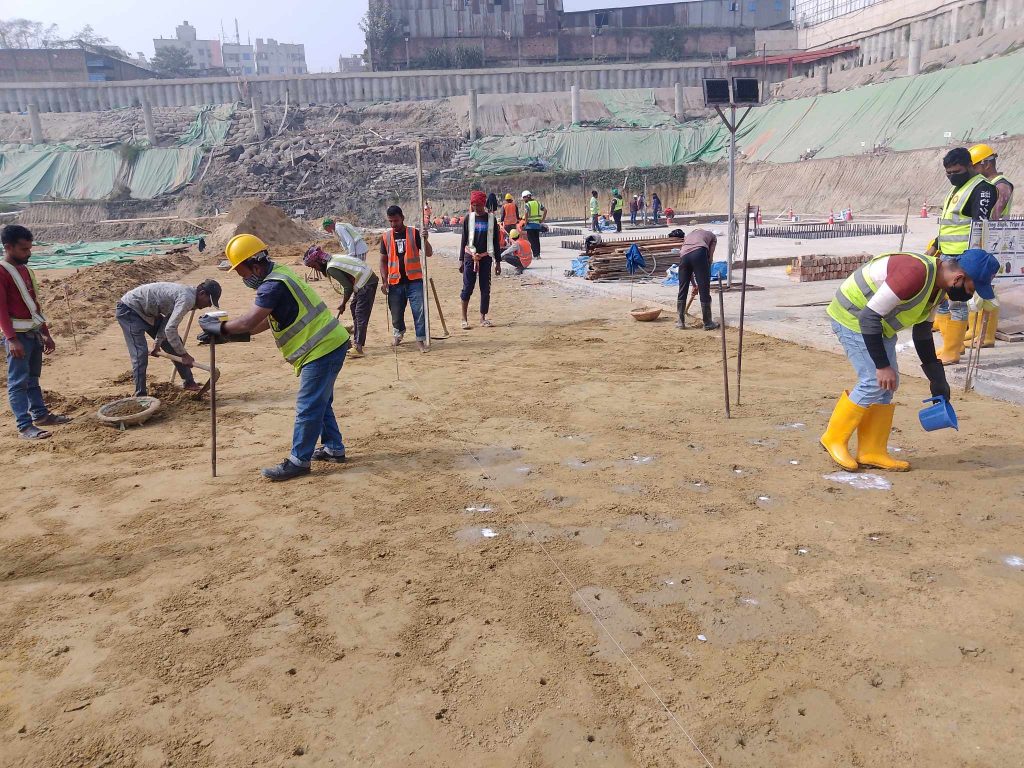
(806, 269)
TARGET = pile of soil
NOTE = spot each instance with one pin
(125, 408)
(255, 217)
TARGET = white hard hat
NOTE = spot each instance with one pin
(526, 193)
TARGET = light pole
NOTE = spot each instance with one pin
(593, 46)
(407, 50)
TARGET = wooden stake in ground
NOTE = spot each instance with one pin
(906, 221)
(213, 410)
(426, 276)
(184, 341)
(974, 353)
(743, 304)
(71, 318)
(725, 356)
(440, 314)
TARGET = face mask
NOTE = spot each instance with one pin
(959, 179)
(253, 281)
(959, 293)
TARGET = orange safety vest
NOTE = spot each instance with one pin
(525, 251)
(509, 215)
(413, 268)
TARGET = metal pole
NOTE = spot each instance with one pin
(743, 304)
(732, 188)
(213, 409)
(906, 221)
(725, 357)
(426, 276)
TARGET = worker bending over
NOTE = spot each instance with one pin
(402, 273)
(972, 199)
(535, 215)
(309, 337)
(355, 278)
(155, 310)
(696, 253)
(984, 159)
(26, 336)
(518, 253)
(480, 248)
(889, 293)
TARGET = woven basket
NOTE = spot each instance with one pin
(646, 314)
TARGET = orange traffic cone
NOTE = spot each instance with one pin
(831, 218)
(758, 219)
(924, 210)
(791, 216)
(849, 214)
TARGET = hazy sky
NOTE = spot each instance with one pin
(327, 28)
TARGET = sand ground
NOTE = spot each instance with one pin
(650, 557)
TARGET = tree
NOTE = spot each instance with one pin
(381, 31)
(24, 33)
(173, 62)
(89, 36)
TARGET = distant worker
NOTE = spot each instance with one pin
(309, 337)
(972, 199)
(428, 215)
(518, 252)
(492, 203)
(480, 248)
(984, 159)
(633, 208)
(535, 215)
(696, 253)
(616, 209)
(595, 210)
(509, 213)
(353, 279)
(655, 207)
(892, 292)
(402, 275)
(641, 209)
(26, 336)
(155, 310)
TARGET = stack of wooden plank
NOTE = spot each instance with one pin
(608, 260)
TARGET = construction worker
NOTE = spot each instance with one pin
(595, 211)
(509, 213)
(402, 275)
(535, 215)
(518, 253)
(696, 254)
(428, 214)
(972, 198)
(156, 310)
(481, 245)
(354, 279)
(309, 337)
(889, 293)
(26, 336)
(984, 159)
(616, 209)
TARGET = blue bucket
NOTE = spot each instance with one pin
(938, 415)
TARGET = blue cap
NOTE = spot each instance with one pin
(981, 266)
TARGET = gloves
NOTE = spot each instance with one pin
(978, 304)
(211, 325)
(221, 338)
(936, 374)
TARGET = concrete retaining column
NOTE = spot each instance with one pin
(472, 115)
(575, 104)
(257, 116)
(679, 101)
(914, 57)
(35, 125)
(823, 78)
(147, 117)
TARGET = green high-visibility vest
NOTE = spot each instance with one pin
(314, 333)
(595, 207)
(616, 204)
(1009, 203)
(533, 212)
(856, 291)
(954, 227)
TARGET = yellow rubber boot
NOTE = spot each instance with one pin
(990, 331)
(844, 422)
(873, 439)
(939, 324)
(952, 341)
(972, 327)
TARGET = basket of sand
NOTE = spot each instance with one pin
(646, 314)
(129, 412)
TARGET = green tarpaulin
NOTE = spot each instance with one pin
(82, 254)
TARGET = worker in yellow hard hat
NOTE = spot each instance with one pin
(309, 337)
(986, 313)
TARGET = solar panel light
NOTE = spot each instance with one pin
(716, 91)
(746, 90)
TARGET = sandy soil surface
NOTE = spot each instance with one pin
(548, 538)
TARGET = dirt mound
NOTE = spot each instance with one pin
(94, 291)
(255, 217)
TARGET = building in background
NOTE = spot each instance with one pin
(274, 58)
(239, 59)
(206, 54)
(80, 64)
(523, 32)
(353, 63)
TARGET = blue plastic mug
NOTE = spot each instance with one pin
(938, 415)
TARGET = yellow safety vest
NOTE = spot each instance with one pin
(1009, 203)
(616, 204)
(954, 227)
(533, 212)
(858, 289)
(314, 333)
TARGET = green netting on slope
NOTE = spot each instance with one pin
(635, 108)
(83, 254)
(973, 103)
(210, 127)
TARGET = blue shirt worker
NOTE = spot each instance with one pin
(309, 337)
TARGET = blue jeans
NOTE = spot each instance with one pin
(957, 310)
(314, 411)
(23, 391)
(867, 392)
(399, 296)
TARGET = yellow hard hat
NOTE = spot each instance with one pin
(513, 233)
(243, 247)
(508, 196)
(981, 152)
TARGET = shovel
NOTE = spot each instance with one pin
(215, 374)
